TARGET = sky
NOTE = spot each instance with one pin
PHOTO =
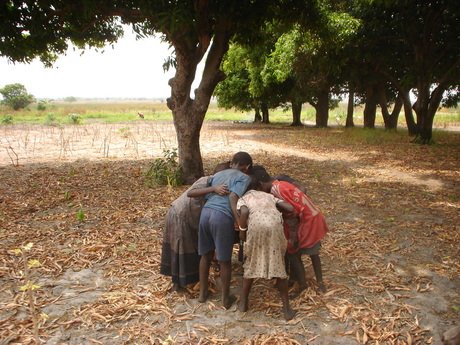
(131, 69)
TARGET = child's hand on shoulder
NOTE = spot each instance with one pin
(221, 189)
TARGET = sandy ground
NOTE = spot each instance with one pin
(392, 275)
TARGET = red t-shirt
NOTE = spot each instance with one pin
(312, 226)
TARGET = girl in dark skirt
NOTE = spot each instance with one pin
(179, 254)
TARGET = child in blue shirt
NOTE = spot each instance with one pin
(217, 229)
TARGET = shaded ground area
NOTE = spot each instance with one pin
(79, 194)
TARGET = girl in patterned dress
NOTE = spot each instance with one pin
(261, 226)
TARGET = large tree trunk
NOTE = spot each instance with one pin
(265, 114)
(425, 107)
(296, 113)
(322, 108)
(390, 119)
(410, 122)
(350, 107)
(404, 94)
(188, 120)
(257, 116)
(370, 108)
(188, 114)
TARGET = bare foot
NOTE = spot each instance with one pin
(301, 289)
(322, 287)
(243, 306)
(289, 313)
(204, 297)
(227, 302)
(179, 289)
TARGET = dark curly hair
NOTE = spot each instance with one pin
(261, 176)
(242, 158)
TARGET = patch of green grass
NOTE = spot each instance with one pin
(116, 111)
(80, 215)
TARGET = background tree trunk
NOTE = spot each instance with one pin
(425, 107)
(265, 114)
(390, 119)
(322, 109)
(257, 116)
(296, 114)
(408, 113)
(370, 108)
(350, 107)
(424, 121)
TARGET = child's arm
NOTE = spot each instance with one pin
(243, 224)
(233, 198)
(219, 189)
(285, 207)
(299, 186)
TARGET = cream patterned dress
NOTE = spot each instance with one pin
(265, 241)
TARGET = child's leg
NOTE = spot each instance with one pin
(289, 269)
(297, 267)
(282, 285)
(205, 264)
(316, 263)
(225, 277)
(215, 265)
(243, 304)
(223, 229)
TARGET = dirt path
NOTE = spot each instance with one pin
(391, 259)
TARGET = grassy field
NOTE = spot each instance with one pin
(112, 111)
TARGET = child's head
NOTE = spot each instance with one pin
(254, 184)
(265, 181)
(221, 167)
(242, 161)
(257, 167)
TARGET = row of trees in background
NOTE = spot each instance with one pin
(375, 52)
(283, 52)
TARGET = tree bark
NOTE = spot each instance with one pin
(370, 108)
(350, 107)
(265, 114)
(296, 114)
(390, 119)
(425, 107)
(404, 94)
(408, 113)
(188, 114)
(322, 109)
(257, 116)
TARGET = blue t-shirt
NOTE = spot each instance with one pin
(236, 181)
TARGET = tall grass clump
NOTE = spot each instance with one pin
(75, 119)
(50, 120)
(7, 119)
(165, 171)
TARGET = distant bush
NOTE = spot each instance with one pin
(70, 99)
(7, 119)
(42, 105)
(75, 119)
(50, 119)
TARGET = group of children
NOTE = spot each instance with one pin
(273, 215)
